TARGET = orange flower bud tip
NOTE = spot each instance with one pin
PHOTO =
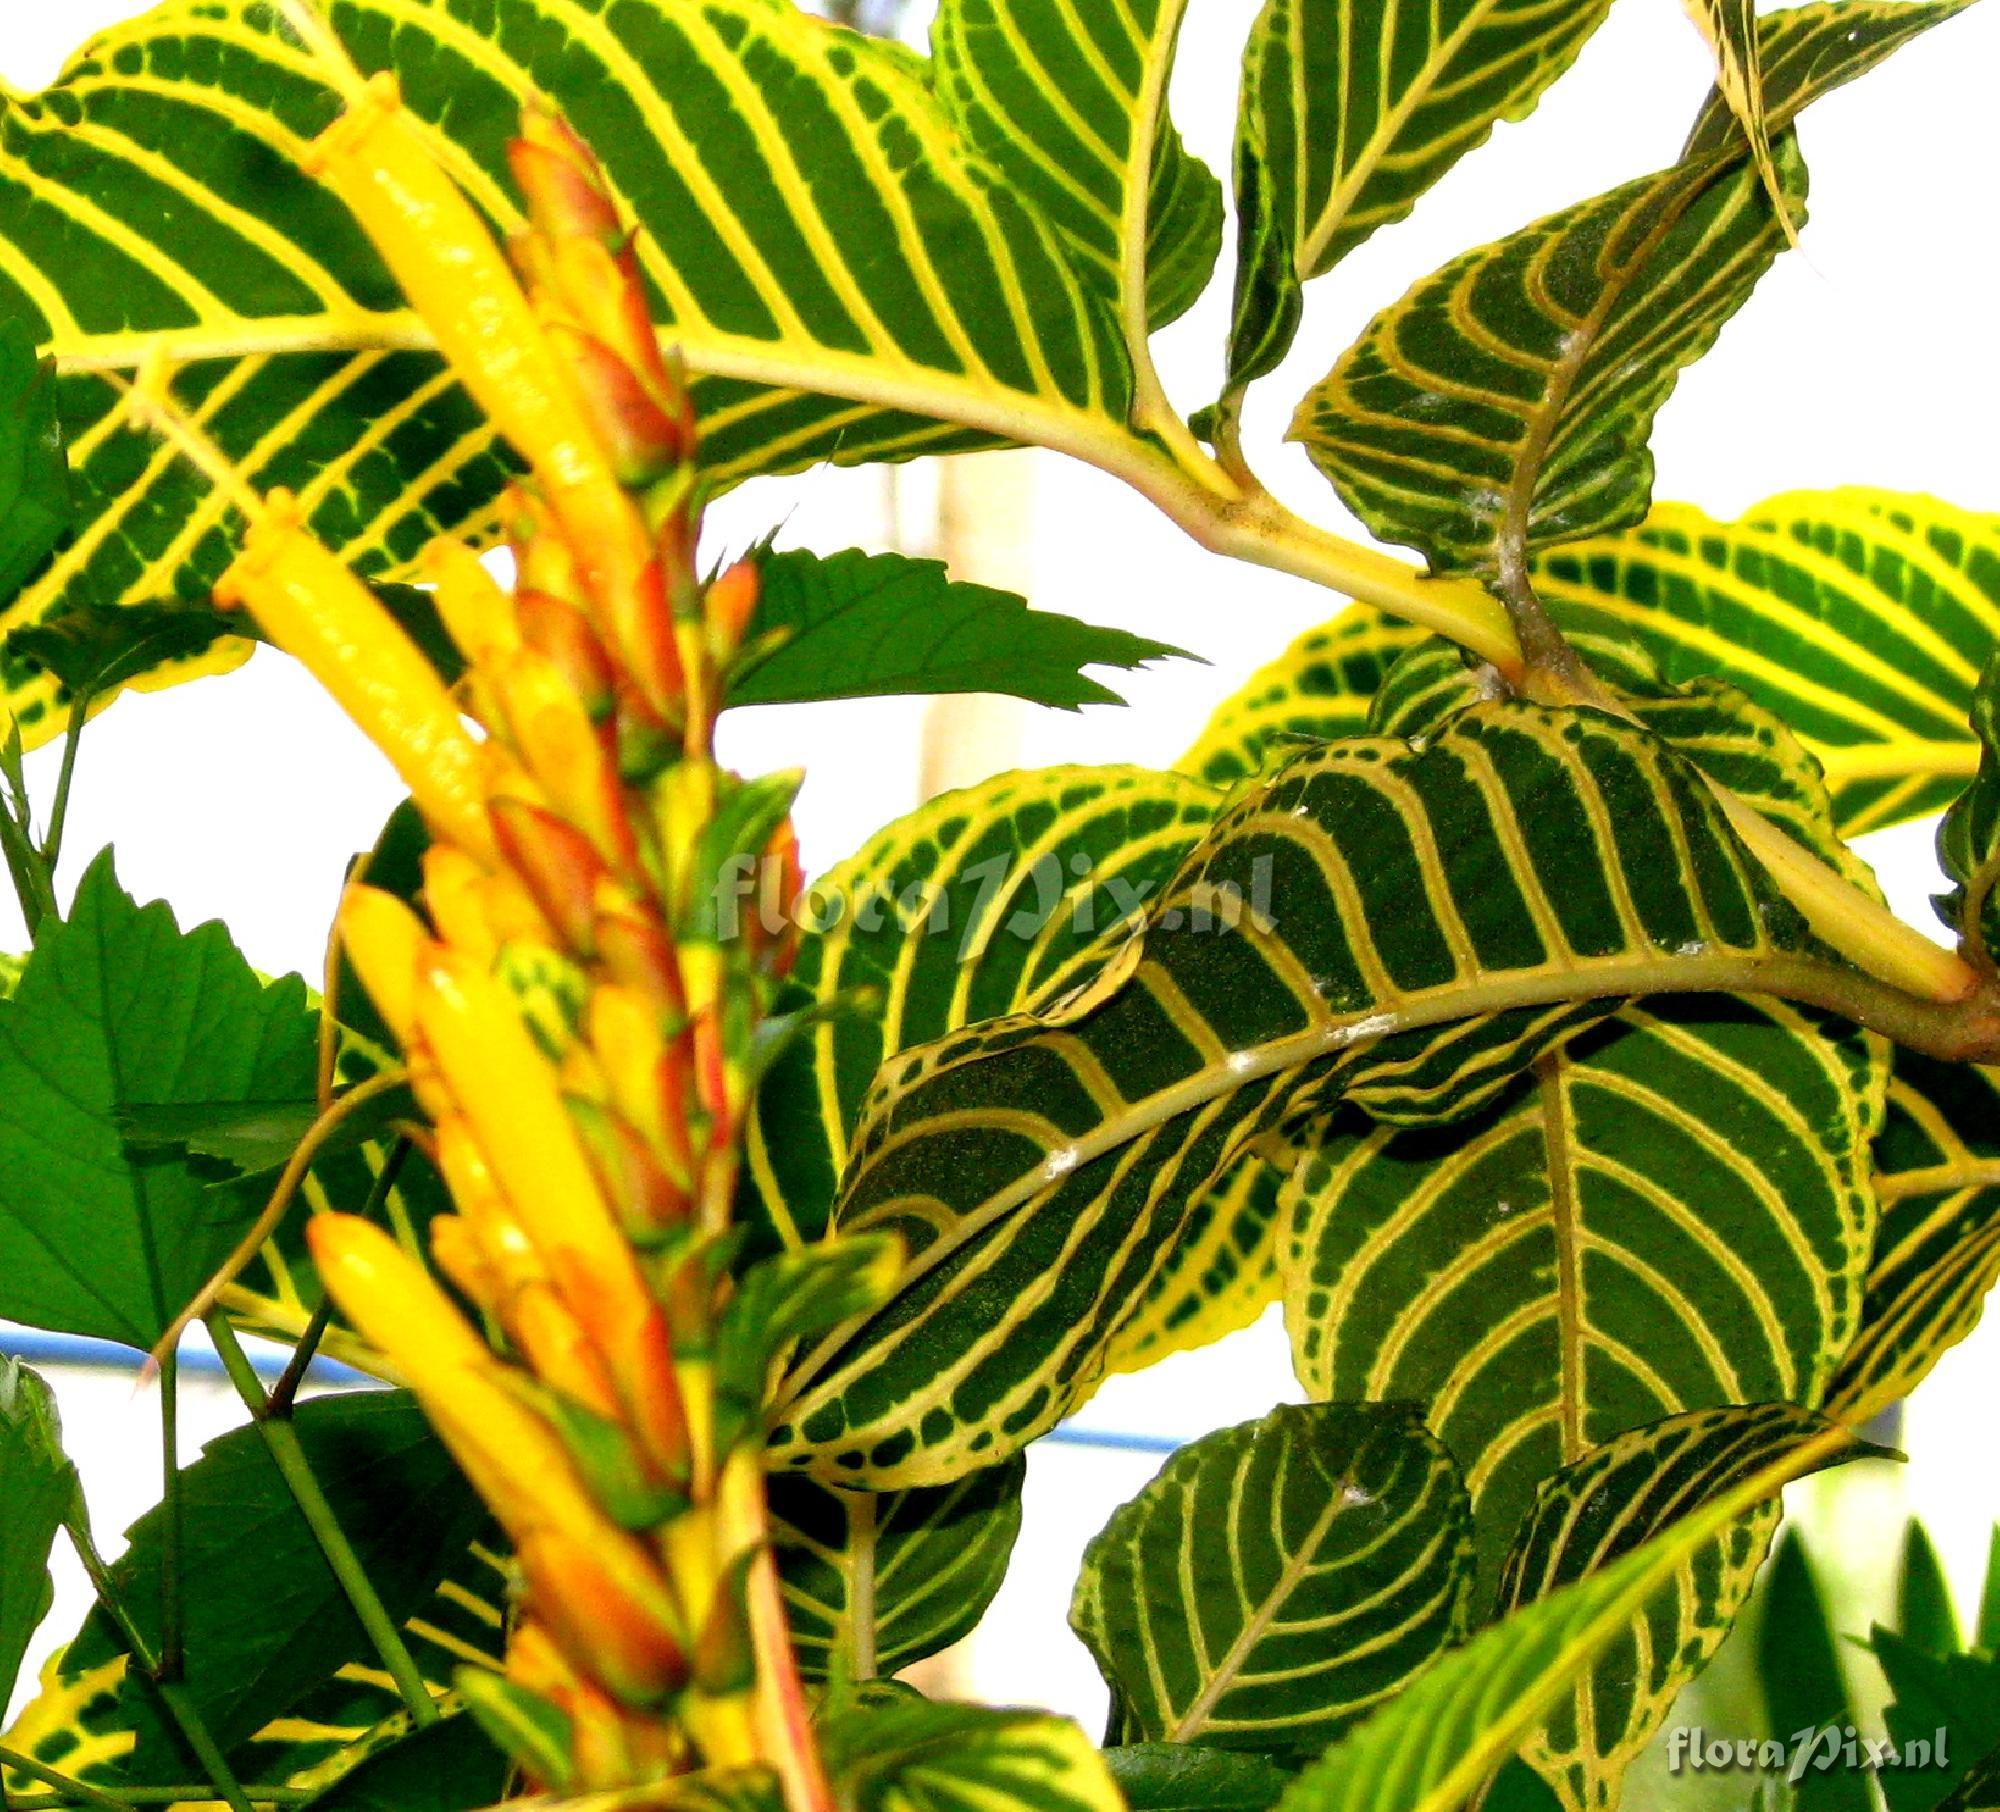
(730, 602)
(557, 182)
(556, 863)
(615, 1625)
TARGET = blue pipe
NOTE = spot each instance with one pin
(201, 1362)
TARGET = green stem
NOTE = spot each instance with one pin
(75, 1795)
(172, 1651)
(173, 1697)
(286, 1449)
(284, 1394)
(59, 809)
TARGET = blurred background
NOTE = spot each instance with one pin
(1867, 358)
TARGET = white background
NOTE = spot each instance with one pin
(1868, 359)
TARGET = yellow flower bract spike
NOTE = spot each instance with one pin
(455, 275)
(513, 1457)
(313, 607)
(509, 1095)
(386, 942)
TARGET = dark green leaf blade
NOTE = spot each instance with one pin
(1924, 1613)
(1937, 1249)
(906, 1754)
(267, 1623)
(118, 1008)
(1412, 979)
(1863, 618)
(1957, 1694)
(37, 1487)
(855, 625)
(1798, 1666)
(1431, 1747)
(931, 1558)
(1350, 110)
(1618, 1497)
(1804, 52)
(1506, 402)
(1187, 1777)
(1279, 1579)
(451, 1767)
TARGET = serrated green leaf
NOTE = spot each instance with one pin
(855, 625)
(1924, 1613)
(921, 1566)
(1505, 403)
(1799, 1670)
(1958, 1694)
(35, 504)
(120, 1009)
(1862, 618)
(1430, 1748)
(1319, 688)
(1350, 110)
(1068, 103)
(37, 1487)
(910, 1755)
(1937, 1250)
(1280, 1578)
(267, 1623)
(1400, 927)
(1612, 1501)
(846, 277)
(1978, 1789)
(1186, 1777)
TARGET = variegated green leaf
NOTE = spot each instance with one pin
(1401, 927)
(1617, 1497)
(1803, 52)
(1969, 838)
(1068, 102)
(1506, 402)
(1431, 1748)
(91, 1722)
(849, 276)
(1279, 1579)
(1319, 688)
(1862, 618)
(1350, 110)
(909, 1755)
(963, 910)
(1937, 1251)
(1671, 1212)
(1729, 27)
(875, 1581)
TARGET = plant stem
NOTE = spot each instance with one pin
(75, 1795)
(285, 1392)
(79, 711)
(172, 1657)
(289, 1453)
(173, 1696)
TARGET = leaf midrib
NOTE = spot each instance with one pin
(1296, 1566)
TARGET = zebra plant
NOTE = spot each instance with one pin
(1492, 984)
